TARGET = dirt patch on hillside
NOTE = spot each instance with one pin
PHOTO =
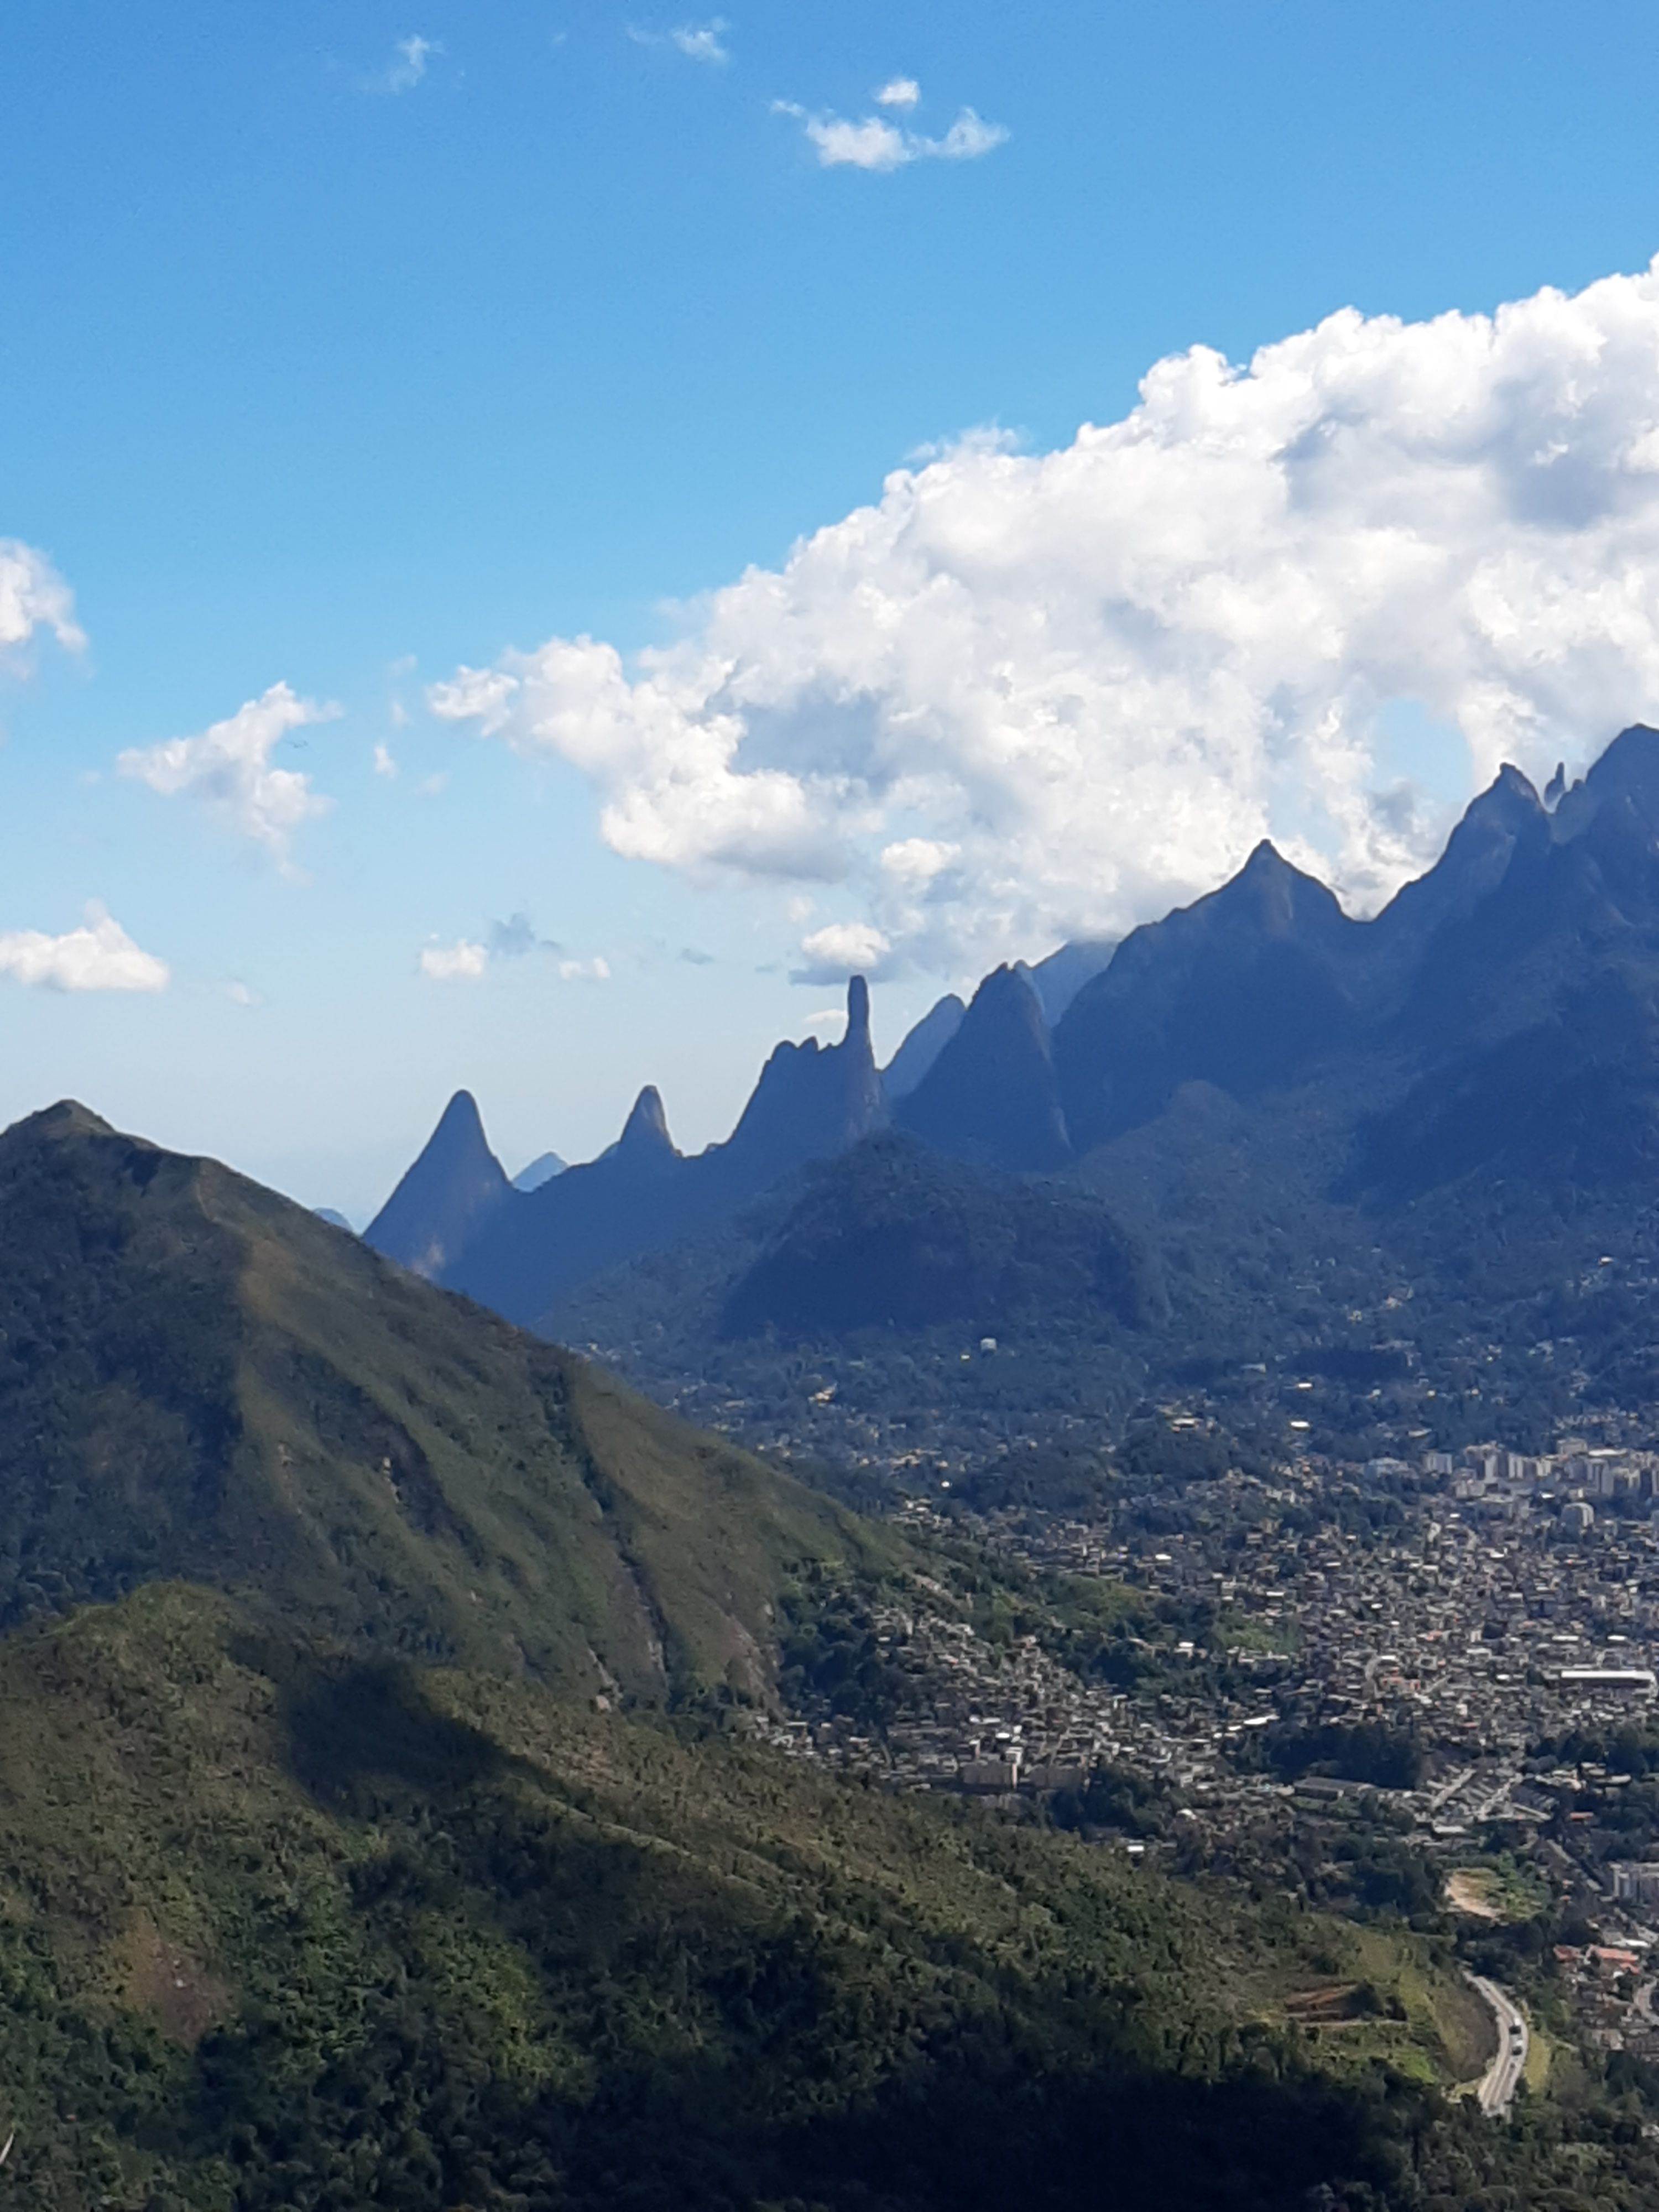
(161, 1977)
(1467, 1893)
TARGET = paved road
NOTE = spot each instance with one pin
(1498, 2084)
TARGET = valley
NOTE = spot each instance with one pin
(1097, 1587)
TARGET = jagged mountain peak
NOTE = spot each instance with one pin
(67, 1118)
(1626, 774)
(991, 1093)
(646, 1129)
(1508, 816)
(812, 1100)
(1011, 986)
(441, 1203)
(1512, 786)
(1279, 898)
(1240, 989)
(460, 1122)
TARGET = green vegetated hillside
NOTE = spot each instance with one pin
(384, 1831)
(869, 1278)
(896, 1237)
(281, 1929)
(198, 1379)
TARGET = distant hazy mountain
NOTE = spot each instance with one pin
(334, 1220)
(921, 1047)
(812, 1101)
(889, 1236)
(1058, 979)
(542, 1169)
(992, 1093)
(1241, 989)
(1500, 1017)
(1400, 1148)
(444, 1200)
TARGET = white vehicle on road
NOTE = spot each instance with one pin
(1495, 2089)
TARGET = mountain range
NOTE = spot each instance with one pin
(381, 1823)
(382, 1815)
(1494, 1029)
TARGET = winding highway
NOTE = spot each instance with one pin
(1495, 2089)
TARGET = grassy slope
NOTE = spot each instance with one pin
(198, 1378)
(282, 1932)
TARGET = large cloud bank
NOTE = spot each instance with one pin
(1024, 696)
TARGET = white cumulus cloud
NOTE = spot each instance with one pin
(34, 596)
(841, 948)
(462, 962)
(876, 142)
(227, 768)
(917, 860)
(99, 956)
(1027, 694)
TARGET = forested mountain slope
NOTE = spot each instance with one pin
(200, 1379)
(285, 1930)
(381, 1870)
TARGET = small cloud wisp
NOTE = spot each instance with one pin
(876, 142)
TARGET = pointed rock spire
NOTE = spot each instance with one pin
(646, 1129)
(446, 1197)
(811, 1102)
(857, 1014)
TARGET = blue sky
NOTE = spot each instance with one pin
(348, 347)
